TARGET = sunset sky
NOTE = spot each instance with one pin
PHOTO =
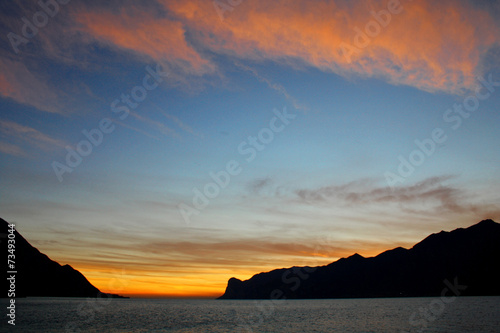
(162, 147)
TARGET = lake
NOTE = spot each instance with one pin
(462, 314)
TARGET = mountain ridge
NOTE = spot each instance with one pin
(468, 254)
(39, 276)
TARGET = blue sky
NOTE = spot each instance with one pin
(317, 190)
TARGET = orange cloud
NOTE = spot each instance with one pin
(160, 39)
(430, 45)
(434, 46)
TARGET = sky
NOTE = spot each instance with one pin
(163, 147)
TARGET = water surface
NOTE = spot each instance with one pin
(463, 314)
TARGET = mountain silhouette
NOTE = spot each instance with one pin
(39, 276)
(463, 260)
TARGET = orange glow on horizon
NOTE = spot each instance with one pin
(198, 283)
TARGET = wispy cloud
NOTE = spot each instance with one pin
(12, 131)
(259, 184)
(158, 126)
(431, 195)
(275, 86)
(135, 129)
(202, 255)
(186, 128)
(434, 54)
(20, 84)
(10, 149)
(145, 34)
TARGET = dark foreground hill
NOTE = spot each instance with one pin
(463, 261)
(37, 275)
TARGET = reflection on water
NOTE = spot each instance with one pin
(465, 314)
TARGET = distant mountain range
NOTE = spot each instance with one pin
(37, 275)
(463, 261)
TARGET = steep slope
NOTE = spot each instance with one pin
(38, 275)
(470, 256)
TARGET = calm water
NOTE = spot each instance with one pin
(464, 314)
